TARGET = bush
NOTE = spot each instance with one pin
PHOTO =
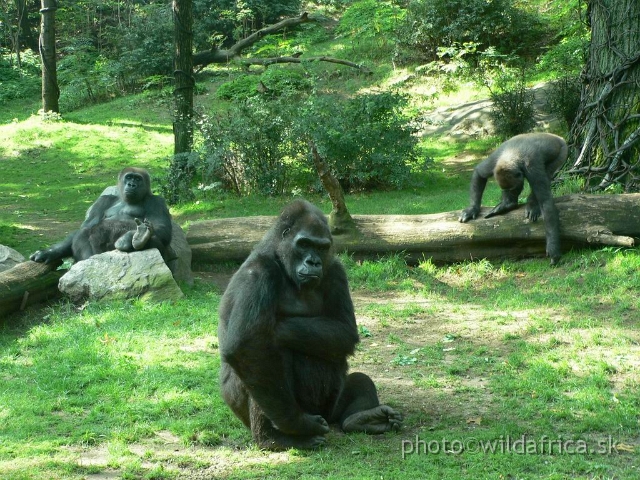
(239, 88)
(251, 149)
(564, 98)
(261, 145)
(371, 26)
(24, 82)
(176, 185)
(276, 81)
(367, 140)
(430, 24)
(512, 111)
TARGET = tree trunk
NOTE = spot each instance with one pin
(605, 136)
(585, 220)
(27, 283)
(183, 73)
(47, 46)
(340, 220)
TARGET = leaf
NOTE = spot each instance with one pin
(623, 447)
(474, 420)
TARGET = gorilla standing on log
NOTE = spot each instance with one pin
(133, 220)
(286, 329)
(536, 157)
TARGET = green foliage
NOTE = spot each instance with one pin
(176, 184)
(250, 148)
(567, 57)
(261, 144)
(367, 139)
(370, 25)
(240, 88)
(564, 97)
(284, 81)
(24, 82)
(275, 82)
(431, 24)
(512, 111)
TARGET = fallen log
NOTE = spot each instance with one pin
(26, 284)
(585, 221)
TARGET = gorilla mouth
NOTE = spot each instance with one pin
(307, 277)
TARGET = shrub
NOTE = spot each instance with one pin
(512, 111)
(430, 24)
(250, 149)
(176, 185)
(367, 140)
(24, 82)
(276, 81)
(239, 88)
(564, 97)
(371, 26)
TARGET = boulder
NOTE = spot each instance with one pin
(9, 258)
(180, 266)
(116, 275)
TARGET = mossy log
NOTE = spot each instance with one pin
(585, 220)
(26, 284)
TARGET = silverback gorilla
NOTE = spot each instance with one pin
(536, 157)
(134, 219)
(286, 328)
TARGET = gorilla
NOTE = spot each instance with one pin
(286, 328)
(536, 157)
(134, 219)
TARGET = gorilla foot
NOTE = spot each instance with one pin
(376, 420)
(532, 212)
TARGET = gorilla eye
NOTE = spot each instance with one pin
(304, 243)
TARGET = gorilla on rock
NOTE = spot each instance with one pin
(135, 219)
(286, 328)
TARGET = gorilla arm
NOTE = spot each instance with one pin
(331, 333)
(64, 249)
(481, 174)
(247, 344)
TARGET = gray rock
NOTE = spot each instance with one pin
(117, 275)
(181, 265)
(9, 258)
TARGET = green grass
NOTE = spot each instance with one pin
(473, 362)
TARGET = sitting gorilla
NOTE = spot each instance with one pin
(531, 156)
(133, 220)
(286, 328)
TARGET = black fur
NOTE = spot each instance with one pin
(134, 219)
(286, 328)
(532, 156)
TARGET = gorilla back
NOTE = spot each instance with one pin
(531, 156)
(286, 328)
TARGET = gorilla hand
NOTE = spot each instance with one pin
(501, 208)
(144, 232)
(45, 256)
(469, 213)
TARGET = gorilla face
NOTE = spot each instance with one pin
(310, 254)
(133, 186)
(132, 183)
(304, 248)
